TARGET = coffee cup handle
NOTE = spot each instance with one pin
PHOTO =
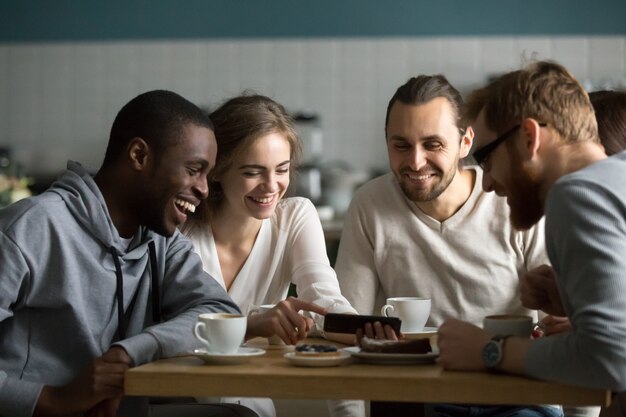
(197, 333)
(385, 308)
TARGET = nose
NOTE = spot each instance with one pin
(271, 182)
(201, 187)
(416, 159)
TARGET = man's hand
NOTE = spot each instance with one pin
(102, 380)
(539, 291)
(284, 320)
(461, 345)
(377, 331)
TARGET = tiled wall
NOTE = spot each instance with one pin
(58, 100)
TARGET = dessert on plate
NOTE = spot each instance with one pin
(419, 346)
(310, 350)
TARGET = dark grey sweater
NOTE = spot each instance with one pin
(586, 243)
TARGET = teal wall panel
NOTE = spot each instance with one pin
(76, 20)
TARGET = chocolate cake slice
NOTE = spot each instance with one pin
(395, 346)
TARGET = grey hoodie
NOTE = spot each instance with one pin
(58, 308)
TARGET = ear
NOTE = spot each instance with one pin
(467, 140)
(531, 131)
(138, 153)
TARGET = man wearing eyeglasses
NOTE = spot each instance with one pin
(427, 228)
(549, 160)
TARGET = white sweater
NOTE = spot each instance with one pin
(469, 264)
(289, 248)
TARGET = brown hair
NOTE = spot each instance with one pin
(424, 88)
(239, 122)
(610, 108)
(542, 90)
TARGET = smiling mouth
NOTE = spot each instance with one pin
(184, 206)
(418, 177)
(262, 200)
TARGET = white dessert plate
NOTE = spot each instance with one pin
(425, 332)
(242, 355)
(392, 358)
(317, 361)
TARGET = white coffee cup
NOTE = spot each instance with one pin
(413, 311)
(263, 308)
(221, 332)
(508, 325)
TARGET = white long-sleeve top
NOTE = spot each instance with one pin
(469, 264)
(289, 248)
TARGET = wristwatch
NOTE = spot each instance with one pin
(494, 351)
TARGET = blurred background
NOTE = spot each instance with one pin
(67, 67)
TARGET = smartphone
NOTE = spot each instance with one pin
(349, 323)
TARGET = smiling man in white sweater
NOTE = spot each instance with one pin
(428, 229)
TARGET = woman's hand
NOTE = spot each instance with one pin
(284, 320)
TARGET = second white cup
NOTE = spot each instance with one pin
(508, 325)
(413, 311)
(221, 332)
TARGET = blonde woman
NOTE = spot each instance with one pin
(253, 241)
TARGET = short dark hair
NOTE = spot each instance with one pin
(424, 88)
(158, 117)
(610, 109)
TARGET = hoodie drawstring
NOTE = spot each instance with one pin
(119, 289)
(156, 299)
(119, 294)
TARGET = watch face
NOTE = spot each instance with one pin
(492, 354)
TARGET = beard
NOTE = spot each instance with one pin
(418, 194)
(523, 197)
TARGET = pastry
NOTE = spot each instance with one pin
(395, 346)
(316, 350)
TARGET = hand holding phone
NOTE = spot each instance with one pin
(349, 323)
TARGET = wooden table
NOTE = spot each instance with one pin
(271, 375)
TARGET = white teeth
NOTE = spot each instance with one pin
(419, 177)
(185, 205)
(262, 200)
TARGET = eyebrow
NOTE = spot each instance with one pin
(200, 161)
(423, 139)
(254, 166)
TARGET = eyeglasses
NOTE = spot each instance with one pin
(481, 155)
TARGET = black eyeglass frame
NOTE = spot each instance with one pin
(481, 155)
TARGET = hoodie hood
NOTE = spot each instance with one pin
(86, 203)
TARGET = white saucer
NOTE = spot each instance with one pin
(262, 343)
(317, 361)
(422, 334)
(392, 358)
(242, 355)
